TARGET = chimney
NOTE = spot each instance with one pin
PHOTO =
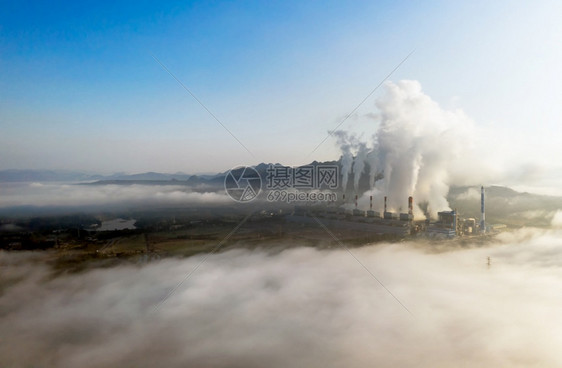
(411, 205)
(371, 202)
(482, 212)
(384, 203)
(455, 220)
(356, 201)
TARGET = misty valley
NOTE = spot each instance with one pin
(249, 184)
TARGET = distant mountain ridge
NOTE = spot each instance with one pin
(150, 177)
(23, 176)
(503, 204)
(216, 180)
(43, 176)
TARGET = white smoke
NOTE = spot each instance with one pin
(298, 308)
(415, 147)
(353, 159)
(346, 144)
(374, 163)
(359, 165)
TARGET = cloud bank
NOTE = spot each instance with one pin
(54, 194)
(301, 307)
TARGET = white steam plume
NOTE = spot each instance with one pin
(359, 165)
(346, 146)
(416, 145)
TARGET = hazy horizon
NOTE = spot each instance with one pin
(394, 257)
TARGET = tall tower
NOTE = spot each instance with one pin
(455, 221)
(411, 206)
(482, 212)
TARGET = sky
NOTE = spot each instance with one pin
(80, 88)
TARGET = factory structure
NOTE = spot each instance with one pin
(336, 215)
(449, 224)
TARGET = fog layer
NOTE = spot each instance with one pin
(299, 308)
(56, 194)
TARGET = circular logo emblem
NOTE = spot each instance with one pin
(242, 183)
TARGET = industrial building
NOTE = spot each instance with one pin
(445, 226)
(448, 224)
(400, 224)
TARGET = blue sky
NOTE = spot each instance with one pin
(80, 90)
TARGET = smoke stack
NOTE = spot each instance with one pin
(371, 202)
(411, 205)
(455, 220)
(384, 203)
(343, 198)
(356, 201)
(482, 212)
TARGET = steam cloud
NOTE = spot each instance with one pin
(298, 308)
(347, 157)
(415, 147)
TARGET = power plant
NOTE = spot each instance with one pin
(338, 215)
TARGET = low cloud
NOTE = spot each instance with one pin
(38, 194)
(300, 307)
